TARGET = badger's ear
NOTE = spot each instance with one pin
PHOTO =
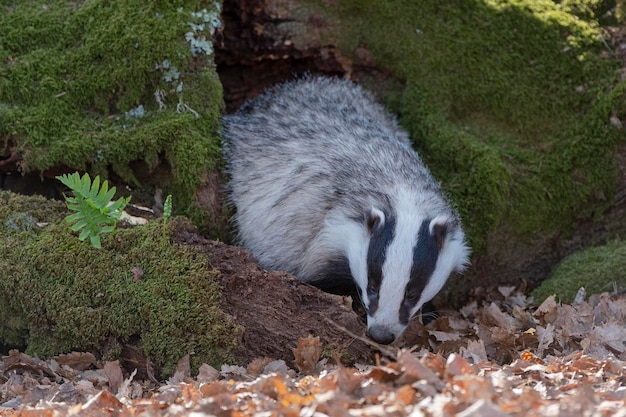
(374, 219)
(438, 229)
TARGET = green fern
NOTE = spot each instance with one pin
(95, 213)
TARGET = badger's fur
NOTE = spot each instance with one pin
(327, 187)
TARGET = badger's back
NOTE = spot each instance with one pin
(301, 150)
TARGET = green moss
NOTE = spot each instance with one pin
(79, 85)
(508, 102)
(597, 269)
(59, 294)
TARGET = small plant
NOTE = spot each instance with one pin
(167, 213)
(95, 213)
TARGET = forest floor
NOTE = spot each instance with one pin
(506, 356)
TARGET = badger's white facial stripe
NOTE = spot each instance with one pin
(396, 267)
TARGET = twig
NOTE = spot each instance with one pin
(385, 350)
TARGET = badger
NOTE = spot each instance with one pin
(327, 187)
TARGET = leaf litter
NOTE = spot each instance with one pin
(505, 357)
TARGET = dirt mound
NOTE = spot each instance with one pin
(276, 309)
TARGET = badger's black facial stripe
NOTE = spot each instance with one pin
(425, 257)
(381, 236)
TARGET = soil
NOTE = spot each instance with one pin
(276, 309)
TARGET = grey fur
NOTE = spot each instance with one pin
(314, 153)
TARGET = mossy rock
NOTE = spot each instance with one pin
(508, 102)
(598, 269)
(59, 294)
(101, 85)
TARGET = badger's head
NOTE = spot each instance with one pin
(409, 258)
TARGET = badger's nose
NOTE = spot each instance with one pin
(381, 335)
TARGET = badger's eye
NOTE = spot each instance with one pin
(372, 301)
(412, 298)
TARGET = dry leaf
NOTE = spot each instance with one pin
(475, 351)
(257, 365)
(103, 404)
(611, 335)
(444, 336)
(349, 381)
(79, 361)
(565, 383)
(307, 354)
(414, 370)
(114, 374)
(494, 316)
(278, 366)
(456, 365)
(547, 309)
(545, 338)
(482, 408)
(207, 373)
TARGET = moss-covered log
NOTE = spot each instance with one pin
(597, 269)
(59, 294)
(118, 88)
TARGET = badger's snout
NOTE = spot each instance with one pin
(381, 335)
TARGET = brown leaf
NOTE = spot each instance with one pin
(257, 365)
(190, 394)
(469, 310)
(435, 362)
(482, 408)
(547, 309)
(444, 336)
(349, 381)
(15, 356)
(137, 273)
(506, 291)
(182, 373)
(456, 365)
(494, 316)
(414, 370)
(585, 363)
(502, 335)
(113, 371)
(102, 404)
(49, 412)
(545, 337)
(527, 356)
(475, 351)
(406, 394)
(213, 389)
(278, 366)
(307, 354)
(523, 319)
(384, 373)
(183, 367)
(207, 373)
(79, 361)
(611, 335)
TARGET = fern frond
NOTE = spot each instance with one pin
(95, 213)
